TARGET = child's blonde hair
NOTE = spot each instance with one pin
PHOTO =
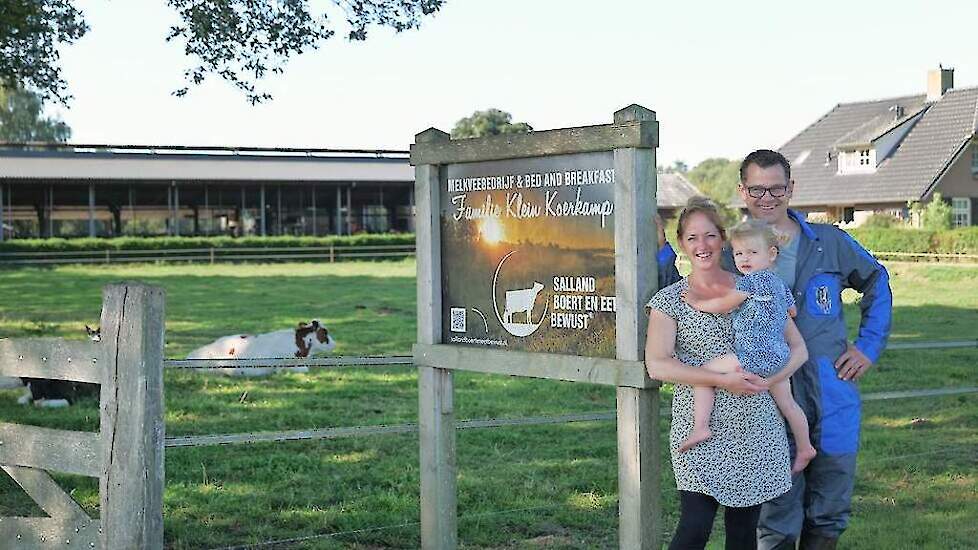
(749, 229)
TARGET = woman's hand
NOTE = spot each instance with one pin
(742, 383)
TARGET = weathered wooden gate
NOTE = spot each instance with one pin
(126, 454)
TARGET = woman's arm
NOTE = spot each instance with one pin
(721, 304)
(798, 355)
(659, 360)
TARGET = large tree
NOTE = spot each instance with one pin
(30, 33)
(239, 40)
(22, 118)
(490, 122)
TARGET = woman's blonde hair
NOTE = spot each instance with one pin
(749, 229)
(702, 205)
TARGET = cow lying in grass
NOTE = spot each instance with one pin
(58, 393)
(289, 343)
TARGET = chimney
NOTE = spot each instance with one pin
(939, 81)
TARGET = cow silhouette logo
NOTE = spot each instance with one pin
(823, 299)
(518, 306)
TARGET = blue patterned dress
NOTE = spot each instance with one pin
(759, 323)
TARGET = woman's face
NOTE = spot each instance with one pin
(701, 241)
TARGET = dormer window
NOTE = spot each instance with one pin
(859, 161)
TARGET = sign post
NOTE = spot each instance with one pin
(536, 255)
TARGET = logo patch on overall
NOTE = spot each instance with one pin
(823, 299)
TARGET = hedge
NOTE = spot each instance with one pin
(161, 243)
(951, 241)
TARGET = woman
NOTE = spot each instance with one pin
(745, 462)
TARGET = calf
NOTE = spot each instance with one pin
(297, 342)
(519, 301)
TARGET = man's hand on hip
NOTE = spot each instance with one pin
(852, 364)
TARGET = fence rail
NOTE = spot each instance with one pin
(927, 257)
(308, 253)
(211, 255)
(407, 360)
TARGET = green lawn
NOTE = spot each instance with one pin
(539, 486)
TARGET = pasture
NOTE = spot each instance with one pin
(550, 486)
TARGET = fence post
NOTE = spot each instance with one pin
(635, 282)
(131, 484)
(212, 255)
(436, 387)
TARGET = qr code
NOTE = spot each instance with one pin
(458, 319)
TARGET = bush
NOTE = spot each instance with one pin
(160, 243)
(957, 241)
(880, 220)
(935, 215)
(894, 240)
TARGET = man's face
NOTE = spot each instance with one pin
(772, 205)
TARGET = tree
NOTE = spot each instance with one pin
(22, 118)
(717, 178)
(936, 215)
(239, 40)
(490, 122)
(30, 33)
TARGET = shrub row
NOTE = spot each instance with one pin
(952, 241)
(161, 243)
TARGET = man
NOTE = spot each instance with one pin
(817, 261)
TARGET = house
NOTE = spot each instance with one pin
(875, 156)
(672, 192)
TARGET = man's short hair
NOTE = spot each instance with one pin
(765, 158)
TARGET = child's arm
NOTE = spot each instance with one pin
(721, 304)
(798, 353)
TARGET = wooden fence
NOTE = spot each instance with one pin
(126, 454)
(211, 255)
(328, 254)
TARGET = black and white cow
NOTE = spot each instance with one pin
(58, 393)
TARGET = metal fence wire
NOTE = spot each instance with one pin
(407, 360)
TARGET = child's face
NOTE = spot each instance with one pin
(753, 254)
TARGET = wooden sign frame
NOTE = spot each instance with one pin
(633, 138)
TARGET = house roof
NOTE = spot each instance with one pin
(909, 173)
(673, 190)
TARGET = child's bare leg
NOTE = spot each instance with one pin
(724, 363)
(804, 451)
(702, 408)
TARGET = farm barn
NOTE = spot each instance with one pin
(63, 190)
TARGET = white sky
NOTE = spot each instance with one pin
(551, 63)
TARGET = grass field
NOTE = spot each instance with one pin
(519, 487)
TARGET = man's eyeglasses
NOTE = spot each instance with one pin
(756, 192)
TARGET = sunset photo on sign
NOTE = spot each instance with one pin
(528, 254)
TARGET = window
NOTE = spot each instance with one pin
(860, 161)
(974, 160)
(848, 214)
(961, 211)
